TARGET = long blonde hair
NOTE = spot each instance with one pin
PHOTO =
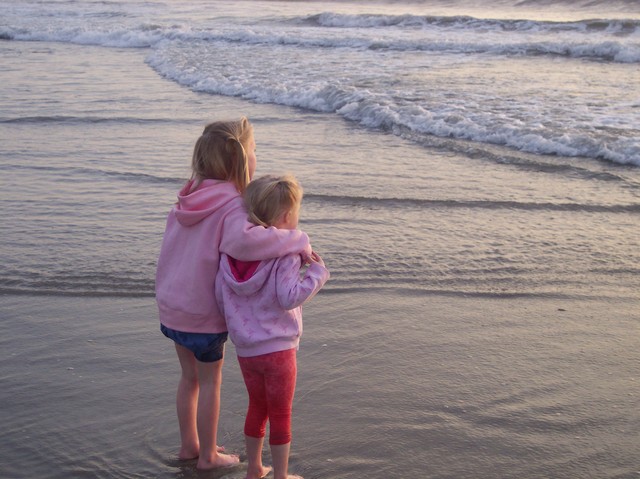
(267, 198)
(221, 153)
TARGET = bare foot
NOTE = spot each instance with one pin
(190, 453)
(260, 474)
(220, 460)
(187, 454)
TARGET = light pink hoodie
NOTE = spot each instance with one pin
(262, 302)
(205, 222)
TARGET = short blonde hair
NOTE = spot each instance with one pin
(221, 153)
(267, 198)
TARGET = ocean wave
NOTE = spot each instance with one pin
(338, 20)
(377, 111)
(369, 201)
(141, 37)
(85, 119)
(523, 161)
(404, 203)
(92, 173)
(60, 290)
(338, 289)
(146, 36)
(87, 284)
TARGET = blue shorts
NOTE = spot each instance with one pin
(206, 347)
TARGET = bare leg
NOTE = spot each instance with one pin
(280, 458)
(255, 468)
(186, 403)
(210, 379)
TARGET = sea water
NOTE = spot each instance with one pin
(451, 156)
(520, 122)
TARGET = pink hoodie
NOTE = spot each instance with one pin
(262, 302)
(205, 222)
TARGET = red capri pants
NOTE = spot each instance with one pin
(271, 383)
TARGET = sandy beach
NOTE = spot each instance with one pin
(89, 392)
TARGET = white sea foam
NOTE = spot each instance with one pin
(379, 108)
(615, 50)
(338, 20)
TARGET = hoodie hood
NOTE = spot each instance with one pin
(210, 196)
(250, 285)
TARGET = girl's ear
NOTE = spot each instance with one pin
(283, 220)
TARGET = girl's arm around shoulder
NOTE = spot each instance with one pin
(245, 241)
(292, 290)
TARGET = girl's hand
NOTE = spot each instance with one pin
(315, 258)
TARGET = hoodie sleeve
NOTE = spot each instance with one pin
(245, 241)
(291, 289)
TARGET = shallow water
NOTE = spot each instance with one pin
(390, 385)
(94, 151)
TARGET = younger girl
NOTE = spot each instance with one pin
(209, 218)
(261, 301)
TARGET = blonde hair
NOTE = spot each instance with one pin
(267, 198)
(221, 153)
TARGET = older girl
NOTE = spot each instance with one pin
(209, 218)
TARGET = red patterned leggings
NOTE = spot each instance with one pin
(271, 383)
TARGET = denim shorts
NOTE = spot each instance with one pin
(206, 347)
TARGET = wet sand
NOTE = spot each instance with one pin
(475, 387)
